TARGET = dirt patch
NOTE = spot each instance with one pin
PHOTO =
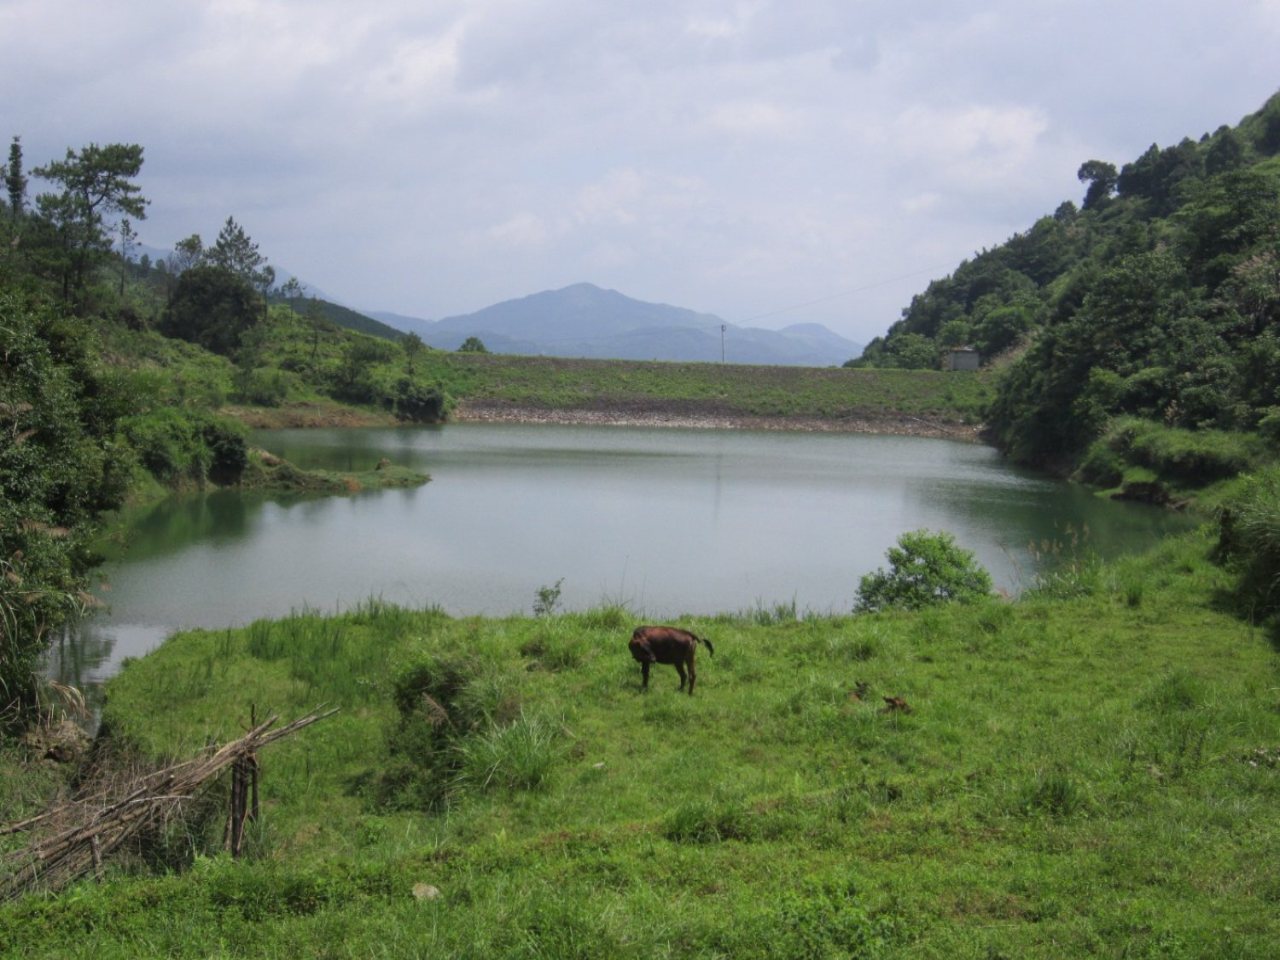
(647, 413)
(692, 416)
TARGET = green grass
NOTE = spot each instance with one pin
(304, 369)
(1078, 776)
(729, 389)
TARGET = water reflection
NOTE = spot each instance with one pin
(667, 521)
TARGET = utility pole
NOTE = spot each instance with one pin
(722, 329)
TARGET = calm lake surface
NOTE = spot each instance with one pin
(667, 521)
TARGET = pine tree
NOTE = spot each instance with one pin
(14, 180)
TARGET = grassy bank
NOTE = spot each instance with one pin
(724, 389)
(1093, 770)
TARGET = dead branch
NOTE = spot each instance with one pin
(102, 821)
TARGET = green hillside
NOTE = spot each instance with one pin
(1158, 298)
(341, 316)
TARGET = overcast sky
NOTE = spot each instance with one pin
(769, 162)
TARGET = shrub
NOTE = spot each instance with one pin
(1102, 466)
(264, 386)
(417, 403)
(924, 568)
(461, 726)
(212, 307)
(547, 599)
(1192, 457)
(61, 466)
(179, 446)
(1249, 542)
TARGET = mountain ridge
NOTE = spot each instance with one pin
(584, 320)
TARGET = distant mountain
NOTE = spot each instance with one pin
(586, 321)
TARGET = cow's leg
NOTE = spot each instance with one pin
(644, 675)
(680, 670)
(693, 675)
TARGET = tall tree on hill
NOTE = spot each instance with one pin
(14, 180)
(236, 253)
(212, 307)
(186, 254)
(95, 183)
(128, 240)
(1101, 177)
(412, 346)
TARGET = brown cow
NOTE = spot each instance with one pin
(666, 645)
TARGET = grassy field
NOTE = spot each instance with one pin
(1091, 771)
(301, 373)
(726, 389)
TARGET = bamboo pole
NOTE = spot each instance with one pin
(102, 821)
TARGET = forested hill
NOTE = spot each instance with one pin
(1157, 298)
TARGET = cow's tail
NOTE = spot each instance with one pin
(706, 643)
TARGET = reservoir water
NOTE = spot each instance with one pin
(666, 521)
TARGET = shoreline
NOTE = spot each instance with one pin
(881, 424)
(676, 415)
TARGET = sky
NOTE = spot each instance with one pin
(768, 162)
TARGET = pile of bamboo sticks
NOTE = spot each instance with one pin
(76, 836)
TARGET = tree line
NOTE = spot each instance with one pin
(113, 370)
(1157, 298)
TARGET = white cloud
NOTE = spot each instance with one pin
(969, 146)
(921, 203)
(752, 119)
(615, 200)
(734, 157)
(522, 230)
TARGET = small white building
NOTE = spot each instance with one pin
(961, 358)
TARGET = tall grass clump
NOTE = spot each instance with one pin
(709, 820)
(1067, 567)
(1054, 793)
(320, 652)
(1188, 457)
(1249, 543)
(461, 726)
(764, 614)
(612, 615)
(516, 756)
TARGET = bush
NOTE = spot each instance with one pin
(1269, 426)
(415, 402)
(1249, 542)
(265, 386)
(61, 466)
(461, 727)
(1192, 457)
(180, 446)
(924, 569)
(1101, 466)
(212, 307)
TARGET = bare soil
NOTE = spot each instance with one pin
(647, 413)
(696, 416)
